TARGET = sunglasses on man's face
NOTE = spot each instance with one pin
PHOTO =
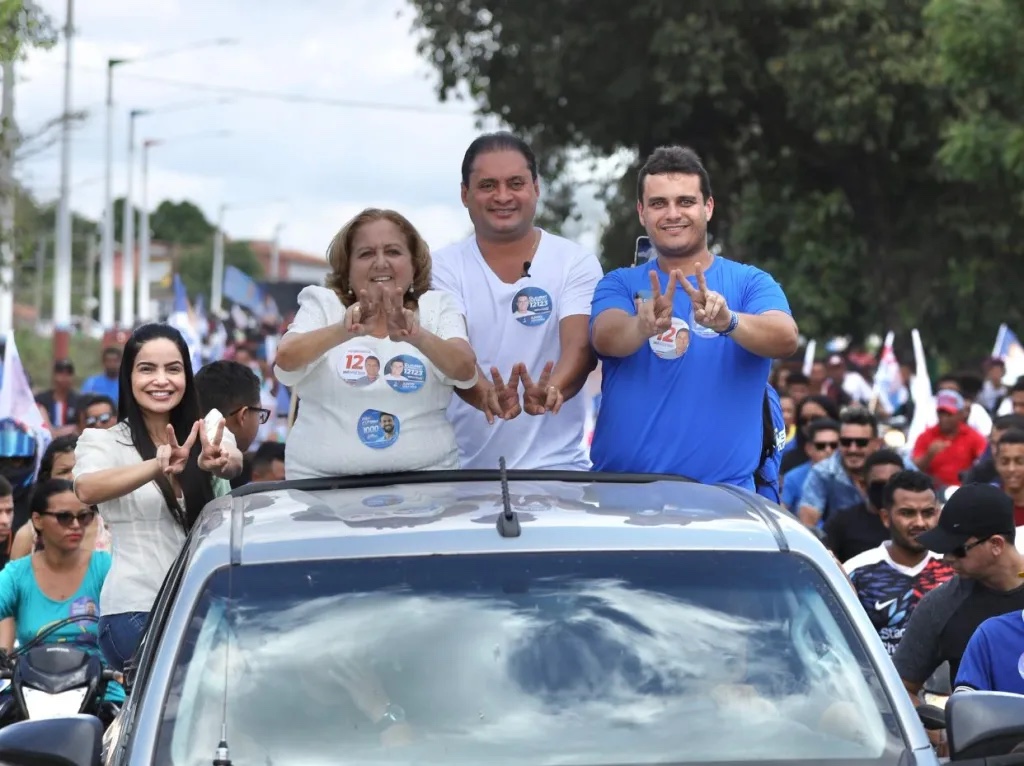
(98, 420)
(822, 446)
(962, 551)
(849, 441)
(67, 518)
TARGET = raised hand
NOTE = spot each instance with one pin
(173, 456)
(361, 316)
(213, 458)
(402, 322)
(656, 314)
(504, 397)
(709, 308)
(541, 397)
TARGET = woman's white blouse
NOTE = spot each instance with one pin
(145, 537)
(371, 405)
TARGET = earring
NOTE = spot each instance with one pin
(409, 291)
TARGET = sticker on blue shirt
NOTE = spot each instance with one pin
(405, 373)
(673, 343)
(378, 430)
(358, 366)
(531, 306)
(700, 330)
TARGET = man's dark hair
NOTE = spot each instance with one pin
(949, 377)
(226, 385)
(818, 425)
(970, 384)
(267, 454)
(89, 400)
(1013, 436)
(858, 416)
(501, 141)
(908, 481)
(112, 351)
(1019, 385)
(884, 456)
(799, 378)
(6, 490)
(1006, 422)
(681, 160)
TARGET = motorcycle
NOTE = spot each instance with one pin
(55, 680)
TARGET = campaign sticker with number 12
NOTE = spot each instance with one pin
(673, 343)
(358, 366)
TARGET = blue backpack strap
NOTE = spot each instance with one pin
(773, 440)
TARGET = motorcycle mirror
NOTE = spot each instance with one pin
(932, 716)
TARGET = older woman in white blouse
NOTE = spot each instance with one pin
(374, 358)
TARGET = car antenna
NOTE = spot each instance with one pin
(222, 756)
(508, 520)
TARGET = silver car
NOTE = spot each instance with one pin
(554, 619)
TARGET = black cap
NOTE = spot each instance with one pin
(64, 365)
(974, 510)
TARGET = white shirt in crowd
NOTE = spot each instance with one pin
(561, 284)
(145, 536)
(351, 418)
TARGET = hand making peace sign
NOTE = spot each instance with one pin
(541, 397)
(173, 456)
(656, 314)
(360, 317)
(503, 398)
(213, 459)
(709, 308)
(402, 322)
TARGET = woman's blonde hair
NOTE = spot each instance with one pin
(339, 255)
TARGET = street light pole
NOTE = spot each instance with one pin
(275, 254)
(217, 281)
(128, 233)
(145, 314)
(107, 252)
(62, 271)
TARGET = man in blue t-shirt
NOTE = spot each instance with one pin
(685, 341)
(994, 658)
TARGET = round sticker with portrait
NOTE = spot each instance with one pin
(378, 430)
(358, 366)
(531, 306)
(700, 330)
(674, 342)
(405, 373)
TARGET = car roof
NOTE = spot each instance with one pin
(436, 512)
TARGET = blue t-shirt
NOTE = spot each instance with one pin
(793, 485)
(767, 476)
(690, 401)
(994, 658)
(101, 384)
(33, 610)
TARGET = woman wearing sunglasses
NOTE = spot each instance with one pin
(62, 580)
(58, 462)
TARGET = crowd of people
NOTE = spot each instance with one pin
(409, 360)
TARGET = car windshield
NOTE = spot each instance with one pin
(593, 658)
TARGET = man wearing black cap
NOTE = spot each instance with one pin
(61, 401)
(976, 535)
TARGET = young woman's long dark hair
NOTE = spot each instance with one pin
(195, 483)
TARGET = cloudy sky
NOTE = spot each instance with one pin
(306, 165)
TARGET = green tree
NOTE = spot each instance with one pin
(180, 222)
(23, 26)
(820, 122)
(196, 265)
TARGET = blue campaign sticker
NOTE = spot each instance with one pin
(531, 306)
(383, 501)
(405, 373)
(378, 430)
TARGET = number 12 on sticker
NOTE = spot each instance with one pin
(354, 361)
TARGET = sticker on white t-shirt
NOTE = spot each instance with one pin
(358, 366)
(405, 373)
(673, 343)
(531, 306)
(378, 430)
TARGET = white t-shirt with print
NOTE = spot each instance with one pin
(504, 331)
(352, 422)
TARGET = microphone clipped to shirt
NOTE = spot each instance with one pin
(526, 270)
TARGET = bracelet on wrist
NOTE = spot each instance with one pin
(734, 322)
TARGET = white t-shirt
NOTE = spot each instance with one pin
(352, 419)
(144, 535)
(503, 332)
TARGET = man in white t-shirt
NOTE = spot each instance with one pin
(526, 297)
